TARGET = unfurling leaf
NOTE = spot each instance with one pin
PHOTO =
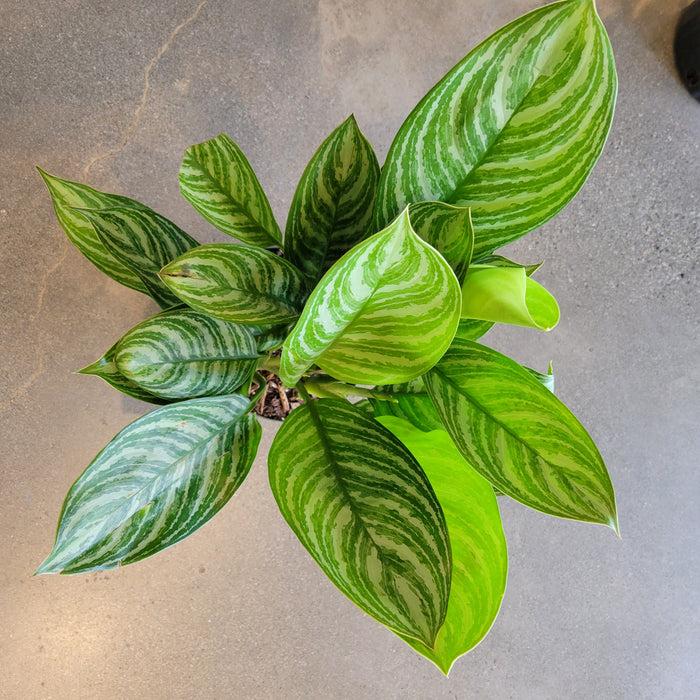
(409, 401)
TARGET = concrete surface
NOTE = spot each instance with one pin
(113, 93)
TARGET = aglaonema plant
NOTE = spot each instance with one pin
(407, 428)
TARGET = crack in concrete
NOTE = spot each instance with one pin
(21, 390)
(45, 279)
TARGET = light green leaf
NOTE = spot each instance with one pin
(471, 329)
(448, 229)
(546, 380)
(332, 207)
(363, 508)
(383, 314)
(409, 401)
(156, 482)
(519, 436)
(66, 197)
(508, 295)
(218, 181)
(479, 553)
(237, 282)
(186, 353)
(501, 261)
(143, 241)
(513, 130)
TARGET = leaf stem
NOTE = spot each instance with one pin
(303, 394)
(262, 388)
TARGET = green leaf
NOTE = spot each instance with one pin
(218, 181)
(519, 436)
(508, 295)
(471, 329)
(547, 380)
(186, 353)
(513, 130)
(237, 282)
(479, 553)
(68, 196)
(409, 401)
(363, 508)
(106, 368)
(501, 261)
(156, 482)
(142, 240)
(448, 229)
(269, 338)
(332, 207)
(383, 314)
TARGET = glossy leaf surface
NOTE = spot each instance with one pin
(383, 314)
(237, 282)
(479, 552)
(186, 353)
(363, 508)
(409, 401)
(513, 130)
(519, 436)
(156, 482)
(332, 207)
(218, 181)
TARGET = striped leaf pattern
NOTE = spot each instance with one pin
(237, 282)
(156, 482)
(218, 181)
(471, 329)
(66, 197)
(363, 508)
(409, 401)
(448, 229)
(519, 436)
(513, 130)
(383, 314)
(479, 552)
(143, 241)
(186, 353)
(332, 207)
(508, 295)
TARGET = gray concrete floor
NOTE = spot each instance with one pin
(113, 93)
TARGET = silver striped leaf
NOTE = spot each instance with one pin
(507, 295)
(363, 508)
(155, 483)
(185, 353)
(332, 207)
(448, 229)
(501, 261)
(513, 130)
(479, 551)
(66, 197)
(519, 436)
(218, 181)
(409, 401)
(238, 282)
(383, 314)
(144, 241)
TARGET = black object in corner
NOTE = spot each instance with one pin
(686, 48)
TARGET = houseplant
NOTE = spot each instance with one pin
(386, 280)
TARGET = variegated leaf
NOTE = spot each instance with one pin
(156, 482)
(383, 314)
(547, 380)
(471, 329)
(237, 282)
(479, 552)
(513, 130)
(448, 229)
(144, 241)
(332, 207)
(218, 181)
(186, 353)
(363, 508)
(66, 197)
(519, 436)
(508, 295)
(409, 401)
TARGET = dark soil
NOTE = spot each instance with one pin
(277, 402)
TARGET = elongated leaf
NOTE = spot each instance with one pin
(143, 241)
(513, 130)
(508, 295)
(547, 380)
(237, 282)
(156, 482)
(479, 553)
(269, 338)
(383, 314)
(106, 368)
(471, 329)
(186, 353)
(501, 261)
(448, 229)
(66, 197)
(519, 436)
(217, 180)
(409, 401)
(332, 207)
(363, 508)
